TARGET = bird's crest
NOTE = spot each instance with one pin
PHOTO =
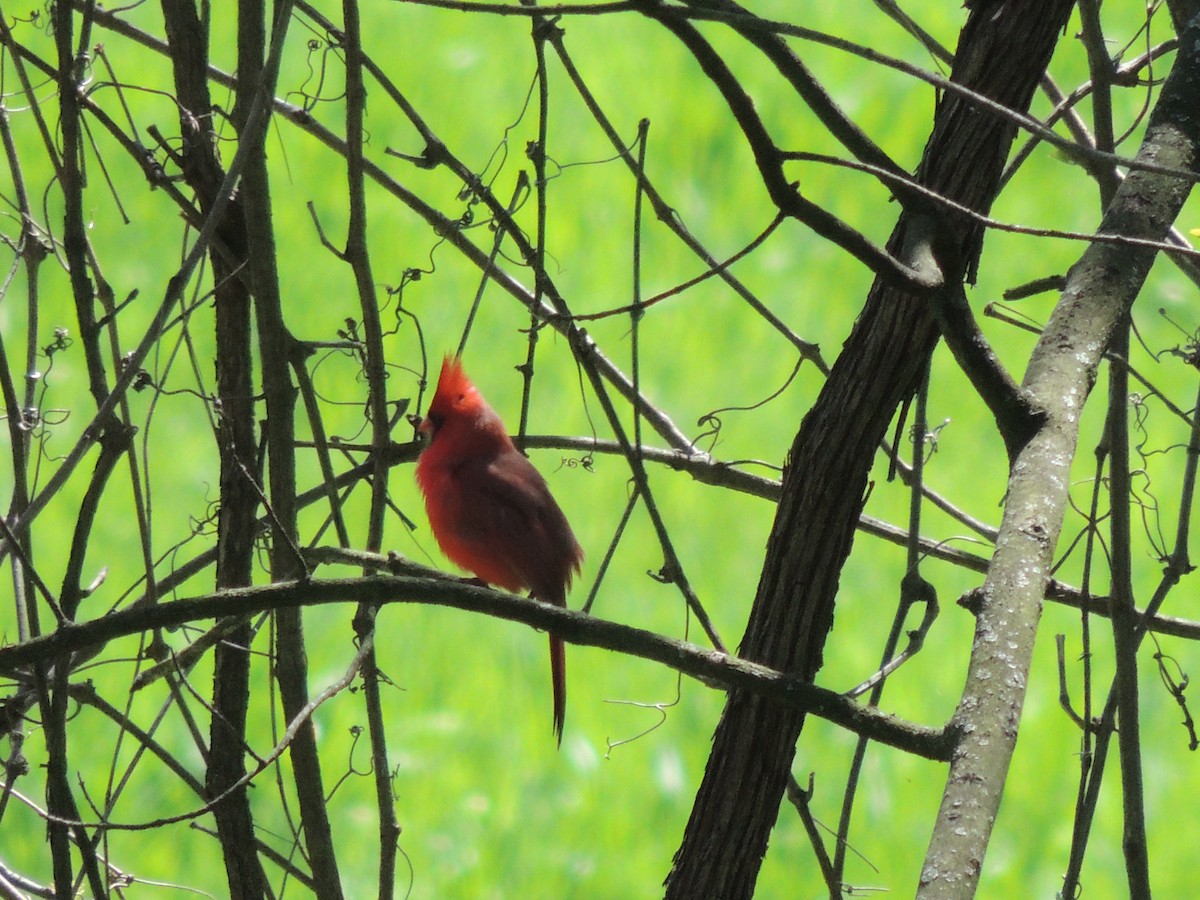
(455, 392)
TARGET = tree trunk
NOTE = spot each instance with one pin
(1100, 291)
(1003, 51)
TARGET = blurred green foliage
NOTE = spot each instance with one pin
(488, 807)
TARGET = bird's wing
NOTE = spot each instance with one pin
(516, 516)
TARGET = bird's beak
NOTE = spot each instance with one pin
(422, 427)
(425, 431)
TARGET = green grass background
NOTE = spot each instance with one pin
(489, 808)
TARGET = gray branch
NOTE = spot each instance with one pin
(1099, 293)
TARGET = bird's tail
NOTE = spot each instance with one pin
(558, 680)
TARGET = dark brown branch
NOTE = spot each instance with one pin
(359, 258)
(708, 666)
(114, 441)
(236, 525)
(667, 215)
(443, 226)
(1178, 565)
(1003, 51)
(750, 22)
(1015, 415)
(69, 74)
(1182, 12)
(258, 71)
(784, 58)
(1124, 626)
(785, 195)
(60, 800)
(133, 361)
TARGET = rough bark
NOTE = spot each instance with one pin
(1003, 51)
(236, 524)
(276, 346)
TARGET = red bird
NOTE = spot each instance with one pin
(490, 509)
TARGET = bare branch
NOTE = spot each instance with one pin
(711, 667)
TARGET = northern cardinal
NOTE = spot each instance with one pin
(490, 509)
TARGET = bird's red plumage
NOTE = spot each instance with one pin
(491, 510)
